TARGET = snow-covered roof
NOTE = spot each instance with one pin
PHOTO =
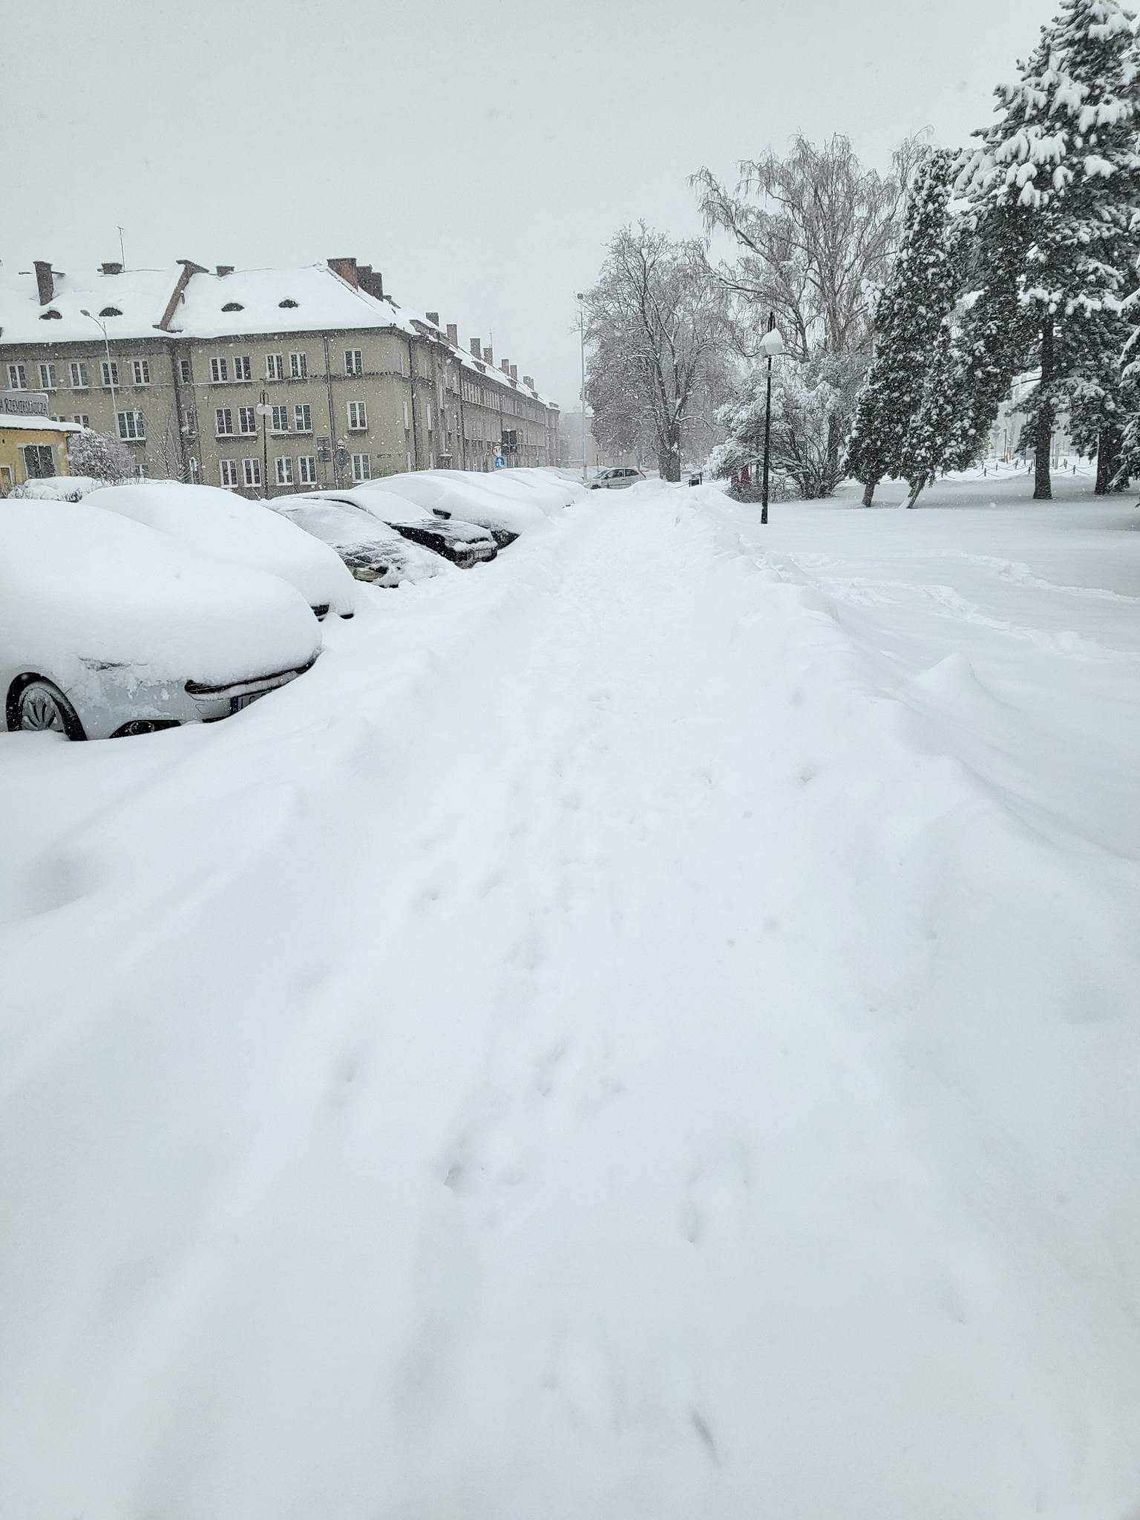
(10, 420)
(132, 303)
(307, 298)
(133, 300)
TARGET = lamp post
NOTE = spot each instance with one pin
(771, 344)
(263, 410)
(83, 312)
(582, 336)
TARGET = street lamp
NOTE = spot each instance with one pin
(83, 312)
(771, 345)
(582, 335)
(263, 410)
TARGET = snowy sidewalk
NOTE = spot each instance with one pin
(645, 1030)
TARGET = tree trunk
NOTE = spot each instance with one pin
(869, 491)
(916, 486)
(669, 455)
(1043, 431)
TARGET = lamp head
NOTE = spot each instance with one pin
(772, 344)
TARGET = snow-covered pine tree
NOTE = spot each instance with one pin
(1063, 153)
(916, 298)
(1127, 462)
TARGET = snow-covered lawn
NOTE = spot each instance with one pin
(645, 1029)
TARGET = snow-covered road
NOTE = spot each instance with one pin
(646, 1029)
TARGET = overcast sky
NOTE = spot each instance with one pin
(477, 153)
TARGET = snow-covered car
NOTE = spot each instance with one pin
(454, 494)
(109, 628)
(463, 543)
(372, 550)
(615, 480)
(57, 488)
(239, 532)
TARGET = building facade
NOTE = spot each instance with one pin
(267, 381)
(33, 444)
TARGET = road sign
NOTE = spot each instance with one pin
(500, 462)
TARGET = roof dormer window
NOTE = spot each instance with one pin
(110, 311)
(47, 316)
(233, 306)
(288, 303)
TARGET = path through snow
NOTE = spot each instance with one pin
(646, 1029)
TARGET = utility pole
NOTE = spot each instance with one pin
(102, 326)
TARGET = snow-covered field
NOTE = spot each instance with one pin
(645, 1029)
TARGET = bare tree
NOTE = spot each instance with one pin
(658, 338)
(816, 232)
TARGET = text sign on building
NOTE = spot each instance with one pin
(24, 403)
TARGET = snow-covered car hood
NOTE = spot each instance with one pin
(361, 539)
(387, 507)
(462, 497)
(81, 588)
(216, 522)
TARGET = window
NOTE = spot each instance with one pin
(79, 376)
(219, 370)
(17, 377)
(189, 421)
(284, 472)
(39, 460)
(274, 367)
(141, 370)
(303, 418)
(109, 371)
(47, 377)
(353, 362)
(184, 371)
(228, 472)
(132, 426)
(243, 367)
(224, 422)
(247, 420)
(234, 306)
(251, 471)
(361, 467)
(357, 417)
(308, 469)
(110, 311)
(299, 366)
(288, 303)
(82, 418)
(280, 419)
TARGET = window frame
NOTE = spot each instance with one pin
(275, 366)
(17, 376)
(140, 366)
(135, 430)
(228, 467)
(359, 411)
(354, 361)
(243, 367)
(361, 467)
(228, 431)
(219, 369)
(109, 374)
(305, 426)
(307, 469)
(284, 468)
(251, 471)
(299, 365)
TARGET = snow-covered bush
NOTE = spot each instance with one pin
(99, 455)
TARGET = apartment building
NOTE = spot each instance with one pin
(266, 381)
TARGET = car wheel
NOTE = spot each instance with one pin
(36, 705)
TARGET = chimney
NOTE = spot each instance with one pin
(433, 318)
(504, 365)
(224, 269)
(528, 380)
(110, 269)
(45, 284)
(453, 334)
(370, 281)
(515, 373)
(477, 347)
(347, 270)
(488, 356)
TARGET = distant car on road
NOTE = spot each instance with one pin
(109, 628)
(237, 532)
(372, 550)
(615, 480)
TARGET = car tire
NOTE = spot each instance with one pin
(36, 705)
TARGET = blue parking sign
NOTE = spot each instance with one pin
(500, 462)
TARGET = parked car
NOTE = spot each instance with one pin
(57, 488)
(238, 532)
(372, 550)
(463, 543)
(615, 480)
(108, 627)
(453, 494)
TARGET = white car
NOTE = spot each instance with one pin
(455, 494)
(109, 628)
(239, 532)
(57, 488)
(372, 550)
(615, 480)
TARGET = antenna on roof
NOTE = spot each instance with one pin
(122, 251)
